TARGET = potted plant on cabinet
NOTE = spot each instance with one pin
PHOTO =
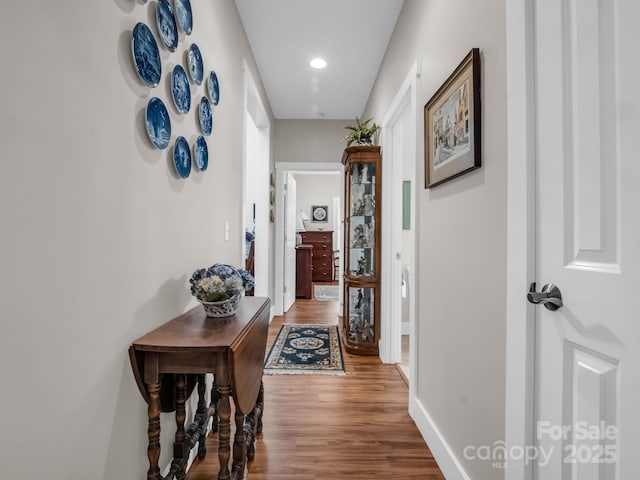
(361, 133)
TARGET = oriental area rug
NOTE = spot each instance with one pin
(306, 349)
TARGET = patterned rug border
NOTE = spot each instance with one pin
(279, 343)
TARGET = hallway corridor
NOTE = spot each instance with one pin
(333, 427)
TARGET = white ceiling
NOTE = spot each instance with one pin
(351, 35)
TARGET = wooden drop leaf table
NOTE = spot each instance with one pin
(169, 361)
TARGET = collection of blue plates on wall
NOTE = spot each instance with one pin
(146, 57)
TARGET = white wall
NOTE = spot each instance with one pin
(462, 236)
(309, 140)
(251, 183)
(99, 237)
(317, 190)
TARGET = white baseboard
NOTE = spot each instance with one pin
(446, 459)
(272, 312)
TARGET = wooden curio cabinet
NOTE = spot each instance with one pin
(360, 327)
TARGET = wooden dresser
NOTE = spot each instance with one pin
(322, 260)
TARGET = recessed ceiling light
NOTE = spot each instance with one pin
(318, 63)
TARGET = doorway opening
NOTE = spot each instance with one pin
(399, 232)
(288, 212)
(255, 209)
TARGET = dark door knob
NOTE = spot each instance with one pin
(550, 296)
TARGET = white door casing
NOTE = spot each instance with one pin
(399, 124)
(289, 242)
(255, 165)
(585, 109)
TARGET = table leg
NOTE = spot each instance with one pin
(153, 431)
(224, 413)
(239, 447)
(201, 415)
(180, 444)
(253, 425)
(214, 401)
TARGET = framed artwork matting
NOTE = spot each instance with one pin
(452, 124)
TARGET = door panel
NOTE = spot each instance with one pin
(588, 237)
(590, 133)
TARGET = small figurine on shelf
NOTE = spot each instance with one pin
(356, 173)
(358, 208)
(360, 297)
(359, 238)
(364, 174)
(368, 205)
(362, 266)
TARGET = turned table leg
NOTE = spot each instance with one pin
(180, 443)
(214, 401)
(253, 425)
(239, 447)
(224, 414)
(153, 450)
(201, 415)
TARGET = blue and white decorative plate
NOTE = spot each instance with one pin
(182, 157)
(158, 123)
(184, 16)
(196, 67)
(167, 25)
(180, 89)
(201, 153)
(206, 119)
(214, 88)
(146, 55)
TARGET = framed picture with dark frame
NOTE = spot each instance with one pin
(452, 130)
(319, 213)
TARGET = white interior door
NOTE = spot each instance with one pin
(289, 243)
(587, 357)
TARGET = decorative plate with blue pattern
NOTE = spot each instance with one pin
(214, 88)
(201, 153)
(146, 55)
(182, 157)
(180, 89)
(167, 25)
(158, 123)
(206, 118)
(196, 67)
(184, 16)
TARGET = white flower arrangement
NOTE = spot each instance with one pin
(219, 282)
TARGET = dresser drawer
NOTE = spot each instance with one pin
(321, 250)
(319, 237)
(322, 261)
(322, 276)
(321, 264)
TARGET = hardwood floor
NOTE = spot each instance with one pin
(320, 427)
